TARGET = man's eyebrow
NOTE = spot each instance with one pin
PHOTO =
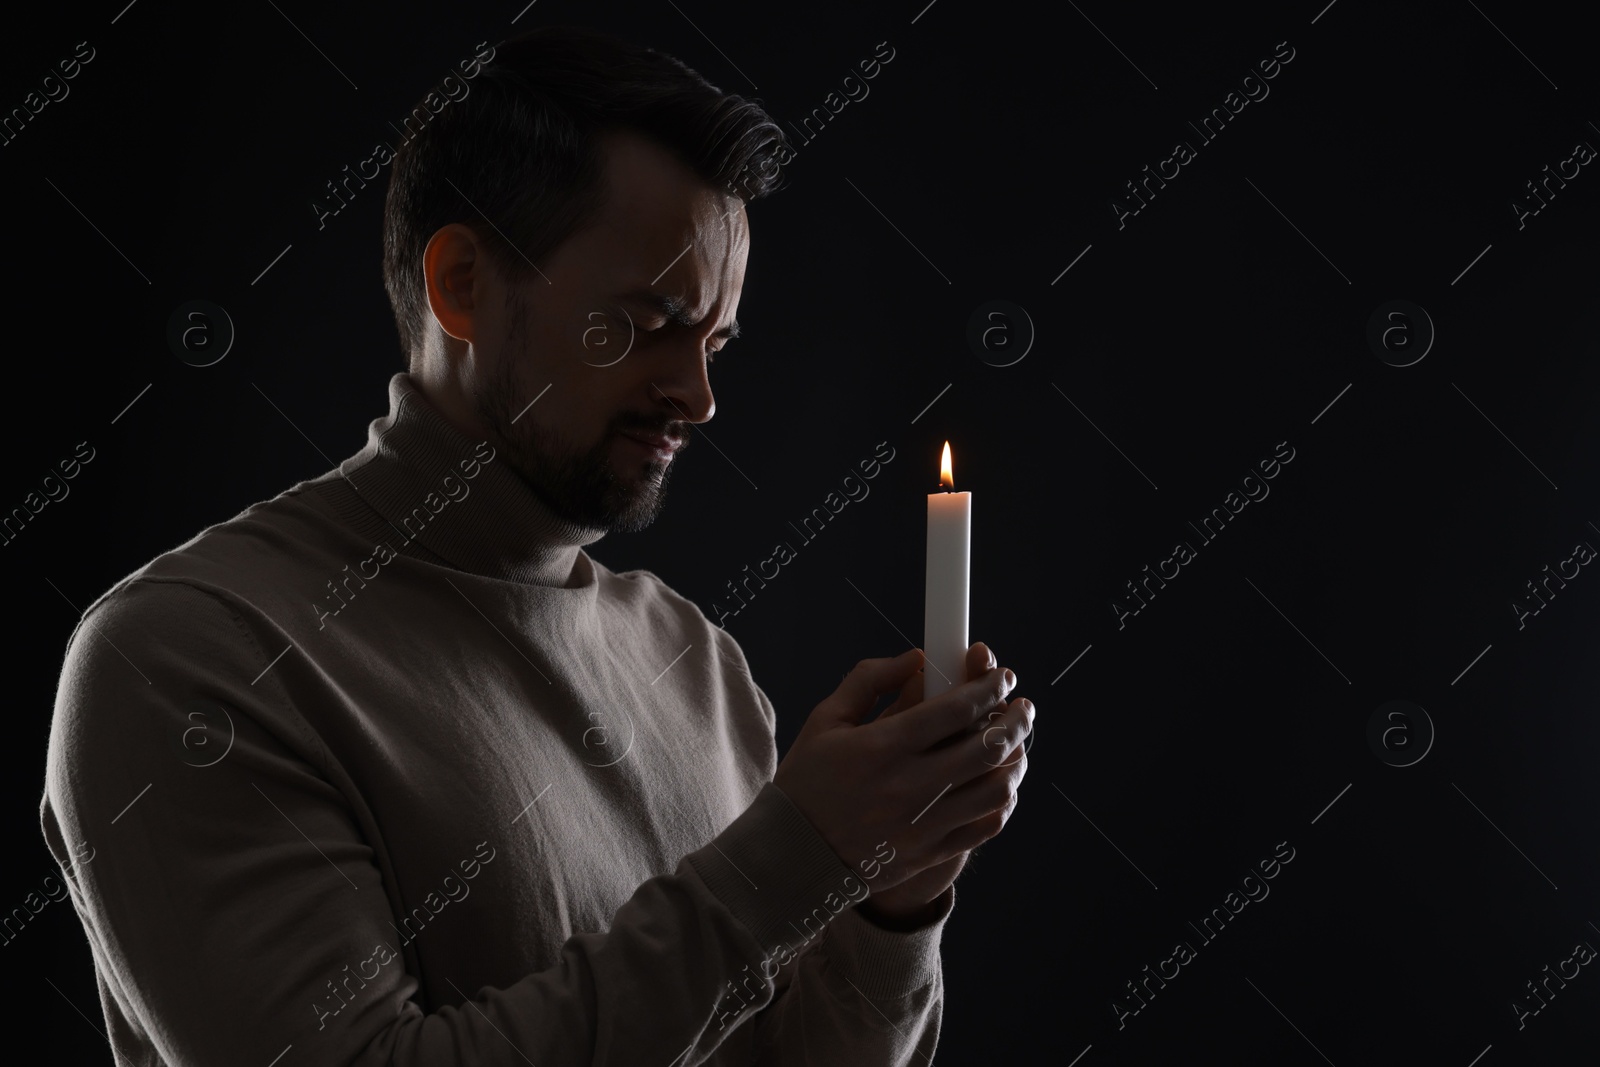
(675, 312)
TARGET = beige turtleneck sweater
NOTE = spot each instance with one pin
(388, 770)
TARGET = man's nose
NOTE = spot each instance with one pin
(685, 387)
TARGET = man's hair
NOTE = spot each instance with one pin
(518, 160)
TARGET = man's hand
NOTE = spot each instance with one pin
(914, 902)
(933, 778)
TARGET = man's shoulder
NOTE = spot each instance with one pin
(206, 616)
(652, 589)
(646, 585)
(638, 575)
(259, 548)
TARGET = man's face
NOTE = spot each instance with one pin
(613, 339)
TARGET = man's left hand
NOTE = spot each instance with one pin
(916, 901)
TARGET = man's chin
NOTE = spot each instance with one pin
(630, 505)
(601, 497)
(624, 522)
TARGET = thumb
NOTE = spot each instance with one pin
(862, 686)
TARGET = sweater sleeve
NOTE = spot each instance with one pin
(845, 989)
(229, 883)
(860, 994)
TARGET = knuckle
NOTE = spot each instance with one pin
(1013, 746)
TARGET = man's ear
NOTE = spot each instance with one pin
(454, 272)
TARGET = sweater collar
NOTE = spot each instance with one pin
(420, 481)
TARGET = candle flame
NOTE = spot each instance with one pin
(947, 477)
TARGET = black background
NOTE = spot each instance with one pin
(1179, 750)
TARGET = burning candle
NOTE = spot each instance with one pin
(944, 630)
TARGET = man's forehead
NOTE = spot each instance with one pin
(644, 177)
(695, 226)
(662, 229)
(691, 259)
(704, 236)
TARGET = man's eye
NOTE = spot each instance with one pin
(642, 327)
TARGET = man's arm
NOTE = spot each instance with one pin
(866, 995)
(850, 989)
(237, 905)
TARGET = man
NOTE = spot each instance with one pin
(389, 770)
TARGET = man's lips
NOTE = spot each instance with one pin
(662, 446)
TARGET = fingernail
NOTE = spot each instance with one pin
(1011, 679)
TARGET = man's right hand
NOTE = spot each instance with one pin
(899, 778)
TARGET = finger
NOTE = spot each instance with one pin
(909, 697)
(923, 726)
(965, 839)
(1000, 741)
(994, 791)
(995, 740)
(979, 659)
(869, 680)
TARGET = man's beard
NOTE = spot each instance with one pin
(582, 487)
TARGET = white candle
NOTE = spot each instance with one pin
(944, 630)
